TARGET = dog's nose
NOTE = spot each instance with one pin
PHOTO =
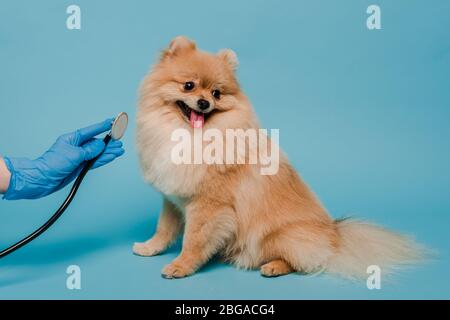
(203, 104)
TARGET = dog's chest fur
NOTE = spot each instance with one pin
(155, 148)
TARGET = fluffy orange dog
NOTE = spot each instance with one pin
(270, 222)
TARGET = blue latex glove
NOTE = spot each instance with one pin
(61, 164)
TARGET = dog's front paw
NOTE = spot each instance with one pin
(275, 268)
(176, 270)
(146, 249)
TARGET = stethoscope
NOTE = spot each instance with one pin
(118, 129)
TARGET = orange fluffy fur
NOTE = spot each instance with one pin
(271, 222)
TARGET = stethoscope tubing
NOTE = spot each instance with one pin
(88, 165)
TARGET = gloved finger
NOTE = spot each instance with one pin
(92, 148)
(114, 147)
(114, 144)
(107, 158)
(87, 133)
(116, 151)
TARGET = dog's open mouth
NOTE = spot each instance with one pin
(196, 119)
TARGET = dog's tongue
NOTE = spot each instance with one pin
(197, 119)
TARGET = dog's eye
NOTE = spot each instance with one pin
(188, 86)
(216, 94)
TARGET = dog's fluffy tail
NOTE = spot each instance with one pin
(362, 244)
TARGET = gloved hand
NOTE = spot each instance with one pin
(61, 164)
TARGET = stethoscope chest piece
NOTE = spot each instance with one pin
(119, 126)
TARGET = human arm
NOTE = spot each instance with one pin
(60, 165)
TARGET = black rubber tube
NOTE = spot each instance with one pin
(61, 209)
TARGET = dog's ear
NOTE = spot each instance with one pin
(230, 57)
(178, 45)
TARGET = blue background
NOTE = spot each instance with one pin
(363, 115)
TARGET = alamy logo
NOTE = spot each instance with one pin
(237, 146)
(73, 21)
(373, 21)
(374, 278)
(73, 281)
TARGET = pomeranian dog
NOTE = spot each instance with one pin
(271, 222)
